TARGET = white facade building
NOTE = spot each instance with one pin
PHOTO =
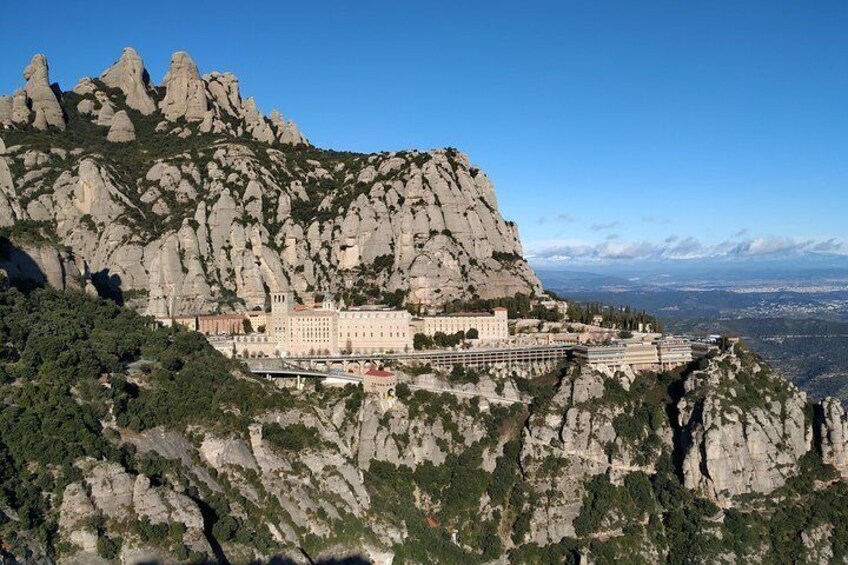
(490, 327)
(302, 331)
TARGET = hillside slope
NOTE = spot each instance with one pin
(183, 457)
(184, 198)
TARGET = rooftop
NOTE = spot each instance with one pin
(378, 373)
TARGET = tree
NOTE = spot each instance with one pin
(441, 339)
(472, 334)
(422, 341)
(248, 327)
(109, 548)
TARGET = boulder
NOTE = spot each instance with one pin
(105, 114)
(224, 94)
(20, 107)
(111, 490)
(148, 502)
(86, 106)
(5, 110)
(85, 86)
(122, 129)
(256, 123)
(76, 507)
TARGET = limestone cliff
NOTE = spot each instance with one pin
(744, 430)
(185, 198)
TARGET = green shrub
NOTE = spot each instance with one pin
(294, 437)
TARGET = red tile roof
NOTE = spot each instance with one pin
(378, 373)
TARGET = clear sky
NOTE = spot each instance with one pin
(612, 130)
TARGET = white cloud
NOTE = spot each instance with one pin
(607, 226)
(559, 218)
(674, 248)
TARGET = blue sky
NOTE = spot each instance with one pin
(613, 131)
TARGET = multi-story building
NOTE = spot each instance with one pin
(673, 352)
(225, 324)
(300, 331)
(312, 332)
(372, 330)
(610, 355)
(662, 354)
(490, 327)
(641, 355)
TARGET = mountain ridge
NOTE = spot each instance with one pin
(186, 199)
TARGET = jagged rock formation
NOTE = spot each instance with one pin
(581, 429)
(129, 75)
(114, 495)
(185, 95)
(738, 431)
(833, 430)
(38, 263)
(202, 203)
(41, 97)
(744, 430)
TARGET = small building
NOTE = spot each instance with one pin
(223, 345)
(258, 319)
(563, 338)
(188, 322)
(597, 320)
(379, 382)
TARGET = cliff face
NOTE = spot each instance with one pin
(186, 198)
(589, 473)
(743, 429)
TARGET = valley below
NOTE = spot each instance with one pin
(796, 318)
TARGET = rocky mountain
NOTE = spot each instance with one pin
(185, 198)
(127, 444)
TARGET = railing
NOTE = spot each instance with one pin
(542, 351)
